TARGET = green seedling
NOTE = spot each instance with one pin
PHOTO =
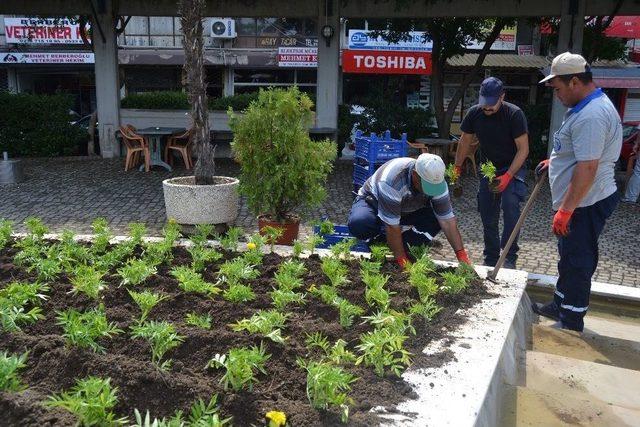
(312, 242)
(342, 249)
(377, 296)
(266, 323)
(327, 385)
(287, 282)
(293, 267)
(91, 400)
(467, 271)
(369, 267)
(19, 304)
(191, 281)
(238, 293)
(47, 267)
(396, 321)
(335, 270)
(319, 340)
(202, 414)
(6, 229)
(146, 300)
(453, 283)
(87, 280)
(199, 320)
(379, 253)
(382, 349)
(298, 248)
(171, 231)
(326, 227)
(85, 329)
(202, 234)
(420, 252)
(272, 234)
(102, 236)
(347, 311)
(327, 294)
(281, 299)
(135, 271)
(201, 255)
(10, 365)
(253, 257)
(452, 174)
(237, 271)
(230, 240)
(241, 366)
(137, 231)
(488, 170)
(162, 337)
(425, 285)
(157, 253)
(337, 354)
(428, 309)
(36, 228)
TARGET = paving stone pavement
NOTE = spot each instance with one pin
(70, 193)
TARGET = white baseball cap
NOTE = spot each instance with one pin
(566, 64)
(431, 170)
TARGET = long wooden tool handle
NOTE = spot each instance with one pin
(492, 275)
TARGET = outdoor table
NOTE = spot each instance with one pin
(437, 146)
(155, 135)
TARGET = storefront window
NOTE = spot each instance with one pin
(250, 80)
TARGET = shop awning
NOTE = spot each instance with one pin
(500, 61)
(627, 27)
(621, 78)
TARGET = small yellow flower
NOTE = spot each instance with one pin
(251, 246)
(276, 418)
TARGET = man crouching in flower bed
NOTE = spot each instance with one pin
(411, 194)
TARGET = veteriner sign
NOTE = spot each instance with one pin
(42, 31)
(386, 62)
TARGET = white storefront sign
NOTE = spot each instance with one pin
(303, 57)
(364, 40)
(47, 58)
(42, 31)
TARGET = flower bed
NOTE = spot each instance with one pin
(322, 340)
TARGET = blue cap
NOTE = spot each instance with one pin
(490, 91)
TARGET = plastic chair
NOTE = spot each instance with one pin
(182, 144)
(135, 144)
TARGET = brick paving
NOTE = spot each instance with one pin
(70, 193)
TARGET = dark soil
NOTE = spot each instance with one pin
(52, 366)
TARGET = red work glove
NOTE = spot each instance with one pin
(561, 222)
(542, 167)
(402, 261)
(462, 256)
(502, 182)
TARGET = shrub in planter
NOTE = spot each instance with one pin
(282, 170)
(159, 100)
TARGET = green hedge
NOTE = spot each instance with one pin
(167, 100)
(38, 125)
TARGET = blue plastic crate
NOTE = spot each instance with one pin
(379, 149)
(341, 232)
(362, 173)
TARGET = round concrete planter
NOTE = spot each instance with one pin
(192, 204)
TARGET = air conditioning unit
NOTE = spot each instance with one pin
(223, 28)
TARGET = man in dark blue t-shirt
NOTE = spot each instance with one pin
(501, 129)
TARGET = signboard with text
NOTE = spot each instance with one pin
(42, 31)
(386, 62)
(271, 42)
(304, 57)
(505, 41)
(47, 58)
(365, 40)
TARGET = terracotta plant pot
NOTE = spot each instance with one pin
(290, 228)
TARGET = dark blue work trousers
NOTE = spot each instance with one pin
(489, 206)
(579, 259)
(365, 224)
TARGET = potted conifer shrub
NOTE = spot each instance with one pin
(283, 172)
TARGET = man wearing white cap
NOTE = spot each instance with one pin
(411, 193)
(583, 189)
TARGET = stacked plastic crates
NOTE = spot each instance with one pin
(372, 152)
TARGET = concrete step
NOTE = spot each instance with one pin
(623, 328)
(587, 346)
(535, 408)
(583, 380)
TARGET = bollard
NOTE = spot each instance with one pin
(10, 170)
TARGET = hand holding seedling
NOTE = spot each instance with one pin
(502, 182)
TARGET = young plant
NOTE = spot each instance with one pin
(47, 267)
(488, 170)
(378, 296)
(87, 280)
(282, 298)
(453, 283)
(253, 256)
(236, 271)
(428, 309)
(347, 311)
(272, 234)
(192, 281)
(162, 337)
(6, 228)
(201, 415)
(293, 267)
(342, 249)
(19, 304)
(156, 253)
(230, 240)
(135, 271)
(319, 340)
(91, 400)
(69, 251)
(335, 270)
(102, 236)
(10, 365)
(298, 248)
(379, 253)
(467, 271)
(146, 300)
(425, 285)
(85, 329)
(396, 321)
(326, 227)
(421, 255)
(36, 228)
(287, 281)
(171, 232)
(137, 231)
(238, 293)
(241, 366)
(199, 320)
(201, 255)
(202, 234)
(327, 294)
(383, 348)
(312, 242)
(452, 174)
(267, 323)
(327, 385)
(337, 354)
(369, 267)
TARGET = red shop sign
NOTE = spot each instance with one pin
(386, 62)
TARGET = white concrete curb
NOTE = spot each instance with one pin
(606, 290)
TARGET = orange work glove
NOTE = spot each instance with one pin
(542, 167)
(462, 256)
(561, 222)
(402, 261)
(458, 170)
(502, 182)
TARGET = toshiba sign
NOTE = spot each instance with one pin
(386, 62)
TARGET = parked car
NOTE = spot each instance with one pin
(630, 132)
